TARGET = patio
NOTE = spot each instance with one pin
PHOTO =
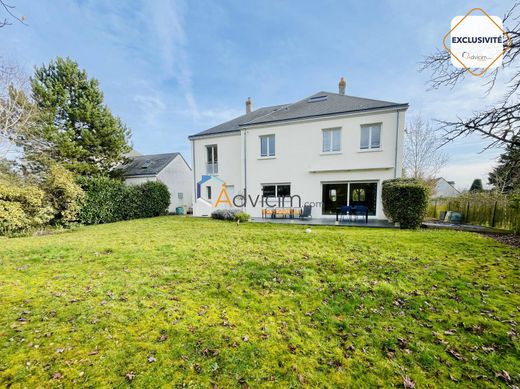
(372, 223)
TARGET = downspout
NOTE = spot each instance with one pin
(245, 170)
(194, 198)
(396, 143)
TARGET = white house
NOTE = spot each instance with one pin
(326, 150)
(444, 188)
(171, 169)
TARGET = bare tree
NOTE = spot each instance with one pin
(9, 9)
(500, 123)
(423, 157)
(17, 113)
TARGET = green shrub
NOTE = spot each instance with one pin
(231, 215)
(102, 202)
(155, 199)
(63, 194)
(22, 208)
(109, 200)
(242, 217)
(405, 201)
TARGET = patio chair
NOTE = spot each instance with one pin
(345, 210)
(306, 213)
(362, 210)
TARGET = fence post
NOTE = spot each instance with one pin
(494, 212)
(466, 216)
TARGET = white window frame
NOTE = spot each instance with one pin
(370, 128)
(330, 131)
(268, 148)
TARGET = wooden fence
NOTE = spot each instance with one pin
(488, 212)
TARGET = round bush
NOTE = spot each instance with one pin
(231, 214)
(405, 201)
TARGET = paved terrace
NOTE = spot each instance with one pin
(372, 223)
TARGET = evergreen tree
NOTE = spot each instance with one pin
(476, 186)
(82, 132)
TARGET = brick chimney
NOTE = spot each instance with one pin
(342, 86)
(249, 105)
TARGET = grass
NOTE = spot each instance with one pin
(198, 303)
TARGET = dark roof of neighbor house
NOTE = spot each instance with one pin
(147, 165)
(317, 105)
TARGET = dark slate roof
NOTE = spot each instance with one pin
(147, 165)
(323, 104)
(234, 124)
(319, 104)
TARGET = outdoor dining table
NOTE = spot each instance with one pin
(338, 211)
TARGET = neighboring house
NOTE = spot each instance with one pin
(443, 188)
(330, 149)
(171, 169)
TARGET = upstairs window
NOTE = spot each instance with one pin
(267, 146)
(331, 140)
(370, 137)
(211, 159)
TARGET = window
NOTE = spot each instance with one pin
(211, 159)
(370, 136)
(267, 146)
(208, 192)
(269, 191)
(180, 195)
(331, 140)
(276, 190)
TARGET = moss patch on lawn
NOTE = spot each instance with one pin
(197, 303)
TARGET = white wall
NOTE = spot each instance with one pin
(177, 176)
(299, 158)
(300, 161)
(444, 189)
(229, 162)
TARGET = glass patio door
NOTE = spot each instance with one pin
(335, 195)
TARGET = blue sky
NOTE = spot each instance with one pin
(171, 68)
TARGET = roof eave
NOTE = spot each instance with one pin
(221, 133)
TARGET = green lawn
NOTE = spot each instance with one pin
(199, 303)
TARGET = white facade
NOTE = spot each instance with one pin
(299, 161)
(178, 177)
(444, 188)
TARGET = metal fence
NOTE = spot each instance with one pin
(488, 212)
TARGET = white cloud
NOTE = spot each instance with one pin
(167, 23)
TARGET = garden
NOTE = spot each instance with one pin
(200, 302)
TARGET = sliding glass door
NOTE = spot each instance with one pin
(335, 195)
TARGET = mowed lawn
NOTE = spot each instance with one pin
(186, 302)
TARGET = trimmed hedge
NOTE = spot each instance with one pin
(405, 201)
(109, 200)
(231, 215)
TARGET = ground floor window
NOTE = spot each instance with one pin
(338, 194)
(276, 190)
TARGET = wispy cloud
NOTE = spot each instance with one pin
(167, 22)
